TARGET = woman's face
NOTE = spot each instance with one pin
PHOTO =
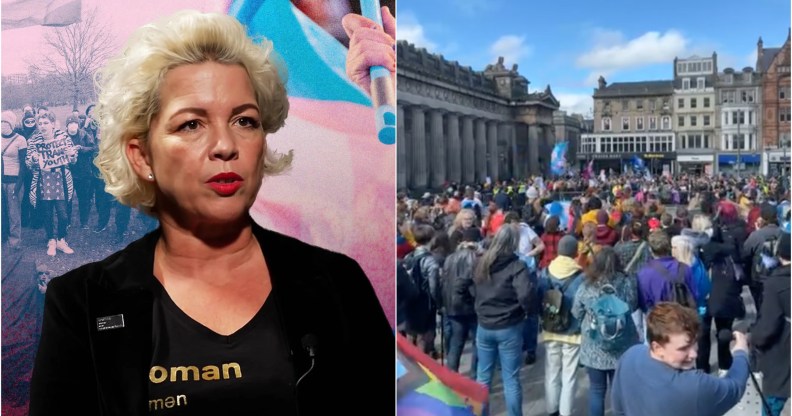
(467, 221)
(45, 126)
(206, 145)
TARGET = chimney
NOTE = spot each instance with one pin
(601, 82)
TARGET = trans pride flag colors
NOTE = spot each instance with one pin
(339, 193)
(426, 388)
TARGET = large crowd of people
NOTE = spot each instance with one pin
(629, 278)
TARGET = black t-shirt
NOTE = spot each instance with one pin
(195, 371)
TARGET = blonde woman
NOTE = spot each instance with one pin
(182, 315)
(465, 218)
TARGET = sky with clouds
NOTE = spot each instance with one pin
(569, 44)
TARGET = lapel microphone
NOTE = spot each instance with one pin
(309, 345)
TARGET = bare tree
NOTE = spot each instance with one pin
(76, 52)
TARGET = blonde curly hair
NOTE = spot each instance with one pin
(129, 84)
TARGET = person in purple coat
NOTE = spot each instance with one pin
(656, 276)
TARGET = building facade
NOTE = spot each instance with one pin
(773, 66)
(739, 121)
(695, 115)
(631, 119)
(464, 126)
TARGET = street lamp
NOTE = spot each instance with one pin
(740, 144)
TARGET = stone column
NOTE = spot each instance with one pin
(468, 151)
(401, 150)
(481, 150)
(511, 136)
(454, 150)
(533, 149)
(419, 173)
(438, 153)
(492, 150)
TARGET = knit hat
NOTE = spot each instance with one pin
(472, 234)
(72, 119)
(532, 193)
(10, 118)
(567, 246)
(784, 246)
(602, 217)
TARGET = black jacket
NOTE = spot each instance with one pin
(458, 282)
(770, 333)
(80, 370)
(503, 299)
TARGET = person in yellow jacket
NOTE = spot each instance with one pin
(562, 341)
(594, 205)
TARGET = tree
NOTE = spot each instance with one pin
(76, 52)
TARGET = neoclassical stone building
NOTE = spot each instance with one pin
(460, 125)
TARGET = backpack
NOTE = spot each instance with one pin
(612, 328)
(680, 292)
(556, 314)
(419, 281)
(765, 257)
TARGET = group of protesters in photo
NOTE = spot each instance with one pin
(630, 278)
(46, 164)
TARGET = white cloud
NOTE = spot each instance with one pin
(411, 30)
(611, 53)
(575, 103)
(472, 7)
(511, 47)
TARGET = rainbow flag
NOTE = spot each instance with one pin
(426, 388)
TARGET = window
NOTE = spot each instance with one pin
(706, 120)
(692, 121)
(739, 141)
(746, 96)
(625, 105)
(783, 93)
(727, 96)
(686, 84)
(700, 83)
(708, 66)
(639, 104)
(692, 103)
(680, 67)
(639, 123)
(652, 105)
(652, 123)
(683, 141)
(750, 118)
(666, 123)
(681, 121)
(738, 117)
(625, 123)
(784, 114)
(606, 124)
(706, 141)
(706, 102)
(681, 103)
(665, 104)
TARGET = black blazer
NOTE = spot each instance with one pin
(81, 370)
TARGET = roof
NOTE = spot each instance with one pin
(636, 89)
(768, 54)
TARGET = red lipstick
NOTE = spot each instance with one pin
(225, 183)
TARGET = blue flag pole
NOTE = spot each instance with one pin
(382, 94)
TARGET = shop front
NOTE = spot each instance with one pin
(733, 163)
(696, 164)
(658, 163)
(777, 163)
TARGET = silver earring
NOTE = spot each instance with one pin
(151, 176)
